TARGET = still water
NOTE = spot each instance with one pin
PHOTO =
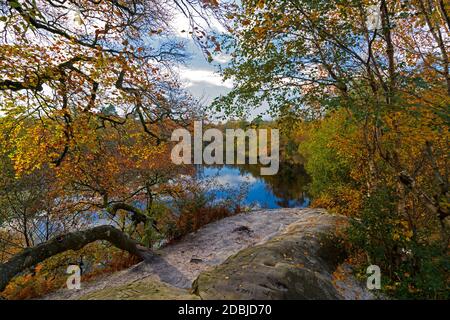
(287, 189)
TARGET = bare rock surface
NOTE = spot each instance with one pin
(180, 263)
(176, 266)
(299, 263)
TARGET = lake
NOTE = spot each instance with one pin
(287, 189)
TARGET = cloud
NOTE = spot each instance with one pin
(222, 58)
(235, 180)
(199, 76)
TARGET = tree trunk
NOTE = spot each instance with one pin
(71, 241)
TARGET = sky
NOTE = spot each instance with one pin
(200, 77)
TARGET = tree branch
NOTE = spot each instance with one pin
(71, 241)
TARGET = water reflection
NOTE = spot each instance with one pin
(287, 189)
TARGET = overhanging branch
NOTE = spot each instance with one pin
(71, 241)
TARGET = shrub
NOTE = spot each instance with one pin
(330, 166)
(197, 205)
(414, 265)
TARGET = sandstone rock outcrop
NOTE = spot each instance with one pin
(266, 254)
(297, 264)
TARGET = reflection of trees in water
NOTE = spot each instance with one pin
(288, 185)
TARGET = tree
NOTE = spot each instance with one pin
(304, 56)
(88, 96)
(319, 59)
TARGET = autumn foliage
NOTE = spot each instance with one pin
(88, 99)
(371, 109)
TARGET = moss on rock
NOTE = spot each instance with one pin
(148, 288)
